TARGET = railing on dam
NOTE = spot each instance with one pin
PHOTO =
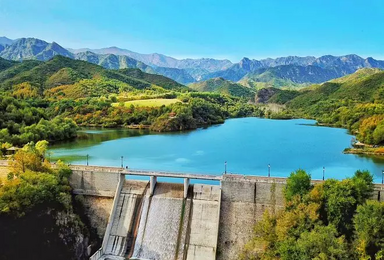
(152, 174)
(133, 172)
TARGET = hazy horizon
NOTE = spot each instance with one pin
(196, 29)
(198, 57)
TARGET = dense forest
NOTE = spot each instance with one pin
(329, 220)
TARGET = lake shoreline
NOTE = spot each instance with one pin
(357, 151)
(362, 151)
(148, 127)
(249, 145)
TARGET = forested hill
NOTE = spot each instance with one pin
(289, 76)
(222, 86)
(61, 71)
(5, 64)
(355, 102)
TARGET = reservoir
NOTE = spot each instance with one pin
(248, 145)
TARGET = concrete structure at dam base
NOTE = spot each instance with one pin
(175, 221)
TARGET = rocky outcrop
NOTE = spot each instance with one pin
(73, 234)
(48, 232)
(264, 94)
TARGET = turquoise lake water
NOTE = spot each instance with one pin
(247, 144)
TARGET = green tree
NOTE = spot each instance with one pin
(378, 134)
(31, 157)
(363, 181)
(369, 226)
(322, 242)
(21, 194)
(41, 147)
(298, 184)
(340, 204)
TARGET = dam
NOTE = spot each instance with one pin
(147, 219)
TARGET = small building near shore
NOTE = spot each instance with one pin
(358, 145)
(12, 150)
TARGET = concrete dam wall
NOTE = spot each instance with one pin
(167, 222)
(171, 221)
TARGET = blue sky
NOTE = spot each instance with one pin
(204, 28)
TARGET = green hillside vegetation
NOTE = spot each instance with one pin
(64, 71)
(225, 87)
(158, 80)
(362, 73)
(39, 75)
(21, 123)
(47, 100)
(272, 82)
(157, 102)
(5, 64)
(283, 96)
(287, 76)
(270, 77)
(330, 220)
(18, 68)
(355, 102)
(37, 209)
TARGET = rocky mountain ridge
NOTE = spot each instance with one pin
(336, 65)
(288, 71)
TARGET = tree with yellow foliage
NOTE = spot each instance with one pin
(330, 220)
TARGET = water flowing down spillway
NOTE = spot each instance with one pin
(163, 224)
(176, 228)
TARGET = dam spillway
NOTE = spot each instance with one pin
(158, 220)
(163, 224)
(172, 221)
(125, 219)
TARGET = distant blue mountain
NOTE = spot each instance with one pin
(283, 71)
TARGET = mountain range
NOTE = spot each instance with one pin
(291, 71)
(339, 66)
(160, 60)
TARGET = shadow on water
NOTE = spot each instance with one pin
(374, 158)
(88, 137)
(92, 136)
